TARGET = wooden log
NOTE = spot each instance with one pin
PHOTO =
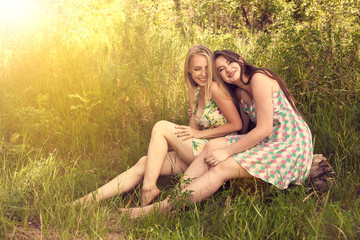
(321, 175)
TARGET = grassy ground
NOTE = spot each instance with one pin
(82, 84)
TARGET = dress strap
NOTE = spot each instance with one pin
(196, 99)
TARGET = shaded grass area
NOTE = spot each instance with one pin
(79, 96)
(292, 214)
(238, 210)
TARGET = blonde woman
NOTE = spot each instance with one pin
(172, 147)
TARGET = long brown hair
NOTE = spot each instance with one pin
(249, 70)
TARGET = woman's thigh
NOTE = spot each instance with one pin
(229, 169)
(183, 148)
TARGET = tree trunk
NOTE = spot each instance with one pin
(321, 175)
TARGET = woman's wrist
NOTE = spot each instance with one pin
(198, 134)
(230, 151)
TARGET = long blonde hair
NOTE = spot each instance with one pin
(206, 52)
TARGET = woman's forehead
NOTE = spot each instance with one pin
(198, 58)
(219, 60)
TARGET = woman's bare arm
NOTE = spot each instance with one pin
(261, 87)
(228, 109)
(191, 95)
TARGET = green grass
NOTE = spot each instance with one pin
(81, 88)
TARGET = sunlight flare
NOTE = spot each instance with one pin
(15, 11)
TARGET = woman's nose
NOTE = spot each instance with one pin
(203, 73)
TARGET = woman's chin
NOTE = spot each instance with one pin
(230, 81)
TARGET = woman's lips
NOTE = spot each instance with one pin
(203, 80)
(231, 73)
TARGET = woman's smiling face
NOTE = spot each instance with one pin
(228, 71)
(199, 69)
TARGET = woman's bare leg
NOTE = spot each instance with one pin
(202, 187)
(198, 167)
(129, 179)
(162, 136)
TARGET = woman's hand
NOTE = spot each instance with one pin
(186, 132)
(214, 158)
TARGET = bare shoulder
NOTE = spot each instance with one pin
(214, 86)
(260, 77)
(214, 89)
(261, 80)
(218, 92)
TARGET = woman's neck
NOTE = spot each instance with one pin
(240, 84)
(202, 90)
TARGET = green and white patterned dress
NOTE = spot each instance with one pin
(211, 117)
(286, 155)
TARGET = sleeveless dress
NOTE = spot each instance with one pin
(211, 117)
(286, 155)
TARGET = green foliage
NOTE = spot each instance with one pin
(83, 82)
(178, 197)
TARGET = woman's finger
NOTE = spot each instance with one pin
(180, 135)
(181, 127)
(212, 164)
(186, 138)
(208, 159)
(184, 131)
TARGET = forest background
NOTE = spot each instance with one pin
(83, 82)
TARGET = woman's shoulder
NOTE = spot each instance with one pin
(260, 76)
(262, 81)
(214, 86)
(215, 89)
(218, 92)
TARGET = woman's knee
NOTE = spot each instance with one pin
(142, 161)
(215, 144)
(162, 126)
(218, 170)
(141, 165)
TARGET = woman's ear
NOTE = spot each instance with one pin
(241, 60)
